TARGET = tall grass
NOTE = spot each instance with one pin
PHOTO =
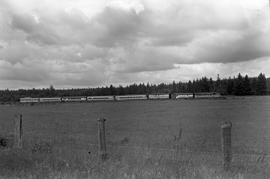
(153, 139)
(44, 160)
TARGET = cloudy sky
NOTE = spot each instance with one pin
(89, 43)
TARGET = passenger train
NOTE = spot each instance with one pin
(121, 97)
(100, 98)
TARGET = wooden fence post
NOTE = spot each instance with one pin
(101, 139)
(226, 143)
(18, 131)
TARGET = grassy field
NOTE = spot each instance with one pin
(146, 139)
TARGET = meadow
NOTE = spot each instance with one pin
(145, 139)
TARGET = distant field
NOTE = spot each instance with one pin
(136, 126)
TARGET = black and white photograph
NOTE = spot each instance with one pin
(135, 89)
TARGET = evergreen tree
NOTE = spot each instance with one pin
(230, 86)
(190, 87)
(211, 85)
(218, 84)
(52, 91)
(112, 90)
(121, 90)
(253, 84)
(239, 85)
(148, 88)
(246, 85)
(174, 87)
(205, 87)
(261, 85)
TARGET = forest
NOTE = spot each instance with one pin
(239, 86)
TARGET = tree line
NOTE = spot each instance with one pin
(240, 85)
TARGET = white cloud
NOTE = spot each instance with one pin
(91, 43)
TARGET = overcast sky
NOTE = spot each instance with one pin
(89, 43)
